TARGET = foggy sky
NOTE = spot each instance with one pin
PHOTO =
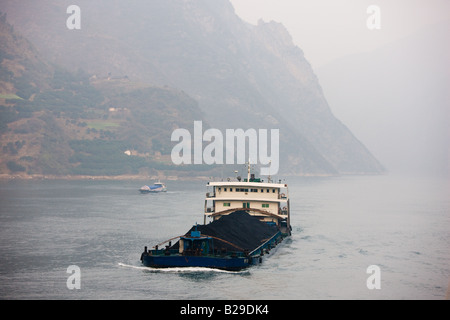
(329, 29)
(396, 99)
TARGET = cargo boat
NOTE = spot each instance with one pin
(243, 220)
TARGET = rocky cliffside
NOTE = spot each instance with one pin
(241, 75)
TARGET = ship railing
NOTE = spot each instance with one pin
(210, 210)
(215, 252)
(163, 252)
(282, 196)
(189, 252)
(283, 211)
(266, 244)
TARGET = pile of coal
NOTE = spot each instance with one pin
(238, 228)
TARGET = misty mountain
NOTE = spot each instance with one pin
(53, 121)
(241, 75)
(396, 100)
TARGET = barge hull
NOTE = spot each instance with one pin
(231, 262)
(228, 263)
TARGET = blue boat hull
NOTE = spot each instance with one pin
(224, 263)
(152, 191)
(171, 258)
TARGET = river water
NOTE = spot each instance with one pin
(341, 227)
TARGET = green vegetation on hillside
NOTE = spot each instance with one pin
(53, 121)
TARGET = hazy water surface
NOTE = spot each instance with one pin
(341, 226)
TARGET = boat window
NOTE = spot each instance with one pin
(225, 189)
(253, 190)
(262, 190)
(231, 189)
(268, 191)
(227, 204)
(265, 205)
(273, 190)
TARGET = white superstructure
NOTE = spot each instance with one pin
(266, 200)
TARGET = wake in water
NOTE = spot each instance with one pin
(181, 270)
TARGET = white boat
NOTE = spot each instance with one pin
(155, 188)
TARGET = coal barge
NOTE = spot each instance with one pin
(248, 217)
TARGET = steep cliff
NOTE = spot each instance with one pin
(241, 75)
(56, 122)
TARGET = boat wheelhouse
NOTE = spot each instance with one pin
(268, 201)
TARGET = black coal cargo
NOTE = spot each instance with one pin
(239, 230)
